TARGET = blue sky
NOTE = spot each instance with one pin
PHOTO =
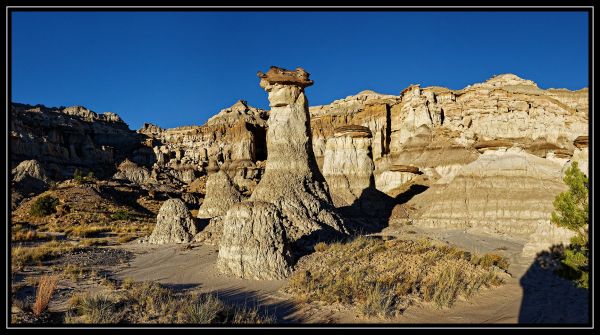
(180, 68)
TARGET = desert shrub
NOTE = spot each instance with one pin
(126, 238)
(492, 259)
(121, 214)
(45, 289)
(78, 176)
(44, 205)
(246, 315)
(89, 242)
(149, 302)
(94, 309)
(379, 302)
(203, 309)
(571, 212)
(81, 178)
(73, 272)
(382, 278)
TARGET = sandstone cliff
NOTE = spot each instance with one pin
(68, 138)
(436, 129)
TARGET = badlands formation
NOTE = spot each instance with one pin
(486, 159)
(290, 208)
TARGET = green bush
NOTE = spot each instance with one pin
(121, 214)
(44, 205)
(78, 176)
(571, 212)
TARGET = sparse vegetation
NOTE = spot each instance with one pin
(94, 309)
(149, 302)
(571, 212)
(382, 278)
(44, 205)
(80, 178)
(27, 235)
(21, 256)
(45, 290)
(86, 231)
(122, 214)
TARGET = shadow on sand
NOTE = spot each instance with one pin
(283, 312)
(550, 299)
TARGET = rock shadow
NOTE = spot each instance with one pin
(201, 223)
(369, 213)
(283, 311)
(550, 299)
(407, 195)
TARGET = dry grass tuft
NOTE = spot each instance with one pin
(21, 256)
(382, 278)
(149, 302)
(320, 247)
(46, 287)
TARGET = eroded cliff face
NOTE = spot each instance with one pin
(436, 129)
(68, 138)
(234, 141)
(438, 136)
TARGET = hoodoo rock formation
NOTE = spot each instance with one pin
(432, 138)
(347, 165)
(292, 185)
(174, 224)
(253, 244)
(220, 196)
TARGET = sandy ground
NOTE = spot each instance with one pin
(531, 295)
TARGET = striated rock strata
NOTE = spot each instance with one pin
(506, 192)
(253, 244)
(348, 166)
(295, 192)
(68, 138)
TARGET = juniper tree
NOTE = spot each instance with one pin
(571, 212)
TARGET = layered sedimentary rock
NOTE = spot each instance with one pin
(68, 138)
(436, 129)
(220, 196)
(292, 196)
(348, 166)
(395, 176)
(174, 224)
(233, 141)
(581, 153)
(28, 178)
(367, 108)
(253, 244)
(29, 172)
(506, 192)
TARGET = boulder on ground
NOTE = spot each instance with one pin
(174, 224)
